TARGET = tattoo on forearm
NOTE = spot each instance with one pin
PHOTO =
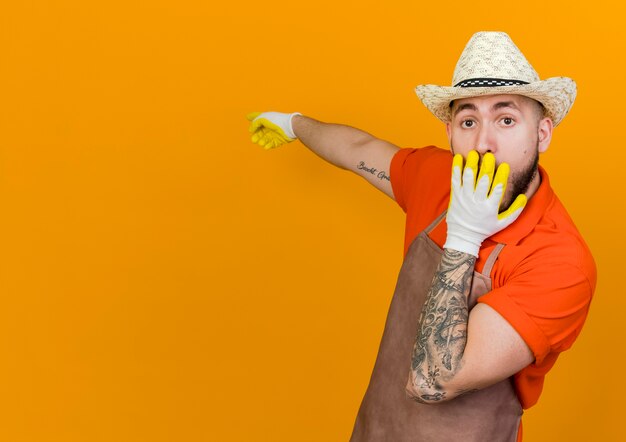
(442, 329)
(382, 175)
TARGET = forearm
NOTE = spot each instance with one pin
(334, 143)
(442, 329)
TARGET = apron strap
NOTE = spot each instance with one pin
(436, 222)
(492, 259)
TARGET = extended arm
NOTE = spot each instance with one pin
(343, 146)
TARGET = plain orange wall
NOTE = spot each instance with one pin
(164, 279)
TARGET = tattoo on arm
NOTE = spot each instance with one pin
(381, 175)
(442, 329)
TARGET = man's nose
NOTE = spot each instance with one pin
(486, 140)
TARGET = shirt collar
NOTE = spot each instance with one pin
(532, 213)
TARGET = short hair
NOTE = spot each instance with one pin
(540, 109)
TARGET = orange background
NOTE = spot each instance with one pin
(164, 279)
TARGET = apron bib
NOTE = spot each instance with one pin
(387, 413)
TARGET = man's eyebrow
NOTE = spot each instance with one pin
(464, 106)
(503, 104)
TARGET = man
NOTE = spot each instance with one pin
(496, 290)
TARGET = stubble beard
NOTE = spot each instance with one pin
(520, 182)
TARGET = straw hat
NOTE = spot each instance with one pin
(491, 64)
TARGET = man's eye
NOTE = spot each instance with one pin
(507, 121)
(467, 123)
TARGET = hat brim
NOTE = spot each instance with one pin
(557, 94)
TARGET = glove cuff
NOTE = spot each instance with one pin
(289, 128)
(463, 244)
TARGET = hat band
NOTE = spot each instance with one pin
(489, 82)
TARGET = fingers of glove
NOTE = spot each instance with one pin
(256, 137)
(277, 129)
(269, 145)
(472, 165)
(482, 188)
(279, 136)
(265, 137)
(501, 178)
(258, 123)
(502, 175)
(469, 178)
(269, 128)
(515, 209)
(487, 167)
(258, 134)
(457, 167)
(274, 142)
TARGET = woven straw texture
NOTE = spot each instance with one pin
(493, 55)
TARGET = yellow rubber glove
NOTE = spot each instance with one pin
(271, 129)
(474, 203)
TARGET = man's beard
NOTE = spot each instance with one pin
(518, 182)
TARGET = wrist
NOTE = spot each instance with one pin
(289, 130)
(465, 243)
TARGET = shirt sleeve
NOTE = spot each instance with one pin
(398, 176)
(415, 172)
(546, 303)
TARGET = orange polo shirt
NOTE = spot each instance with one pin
(544, 278)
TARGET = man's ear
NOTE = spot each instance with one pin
(544, 134)
(448, 131)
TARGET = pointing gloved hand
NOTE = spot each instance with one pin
(473, 211)
(271, 129)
